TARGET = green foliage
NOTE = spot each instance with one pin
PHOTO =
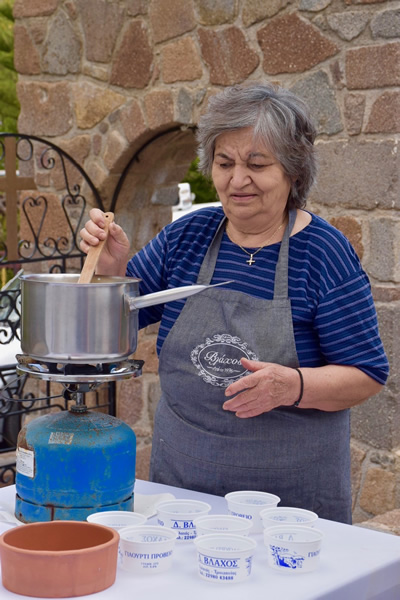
(202, 187)
(9, 105)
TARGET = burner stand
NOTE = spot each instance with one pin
(90, 373)
(78, 379)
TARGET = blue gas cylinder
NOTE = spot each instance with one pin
(71, 464)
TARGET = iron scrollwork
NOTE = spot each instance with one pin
(61, 185)
(38, 156)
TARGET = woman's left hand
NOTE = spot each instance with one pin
(270, 385)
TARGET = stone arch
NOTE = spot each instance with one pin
(147, 187)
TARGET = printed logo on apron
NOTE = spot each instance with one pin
(218, 359)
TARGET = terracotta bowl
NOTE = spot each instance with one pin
(58, 559)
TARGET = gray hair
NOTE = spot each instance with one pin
(279, 119)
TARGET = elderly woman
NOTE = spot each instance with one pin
(257, 376)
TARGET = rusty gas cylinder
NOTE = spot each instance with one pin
(71, 464)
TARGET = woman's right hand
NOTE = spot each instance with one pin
(116, 252)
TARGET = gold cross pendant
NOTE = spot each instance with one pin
(250, 261)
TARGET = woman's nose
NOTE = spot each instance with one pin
(240, 176)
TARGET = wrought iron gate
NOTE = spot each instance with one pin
(44, 193)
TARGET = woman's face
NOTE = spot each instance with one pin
(251, 184)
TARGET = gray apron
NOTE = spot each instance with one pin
(303, 456)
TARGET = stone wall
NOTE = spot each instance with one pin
(105, 80)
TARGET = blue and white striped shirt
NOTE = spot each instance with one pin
(334, 316)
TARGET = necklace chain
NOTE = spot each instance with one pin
(251, 260)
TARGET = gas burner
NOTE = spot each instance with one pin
(78, 373)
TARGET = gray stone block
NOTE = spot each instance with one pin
(386, 24)
(348, 25)
(63, 48)
(358, 174)
(314, 5)
(383, 260)
(184, 106)
(320, 97)
(373, 422)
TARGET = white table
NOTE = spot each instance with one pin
(356, 564)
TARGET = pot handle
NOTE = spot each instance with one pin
(94, 253)
(170, 295)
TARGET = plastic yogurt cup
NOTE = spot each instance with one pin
(286, 515)
(293, 549)
(248, 505)
(180, 516)
(146, 549)
(224, 558)
(222, 524)
(117, 519)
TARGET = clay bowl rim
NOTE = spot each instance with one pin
(114, 537)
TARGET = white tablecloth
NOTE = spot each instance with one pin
(356, 564)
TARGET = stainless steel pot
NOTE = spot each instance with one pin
(63, 321)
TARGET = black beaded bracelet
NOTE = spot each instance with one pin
(301, 387)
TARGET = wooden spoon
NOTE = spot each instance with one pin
(94, 253)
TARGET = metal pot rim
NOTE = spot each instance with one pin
(72, 279)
